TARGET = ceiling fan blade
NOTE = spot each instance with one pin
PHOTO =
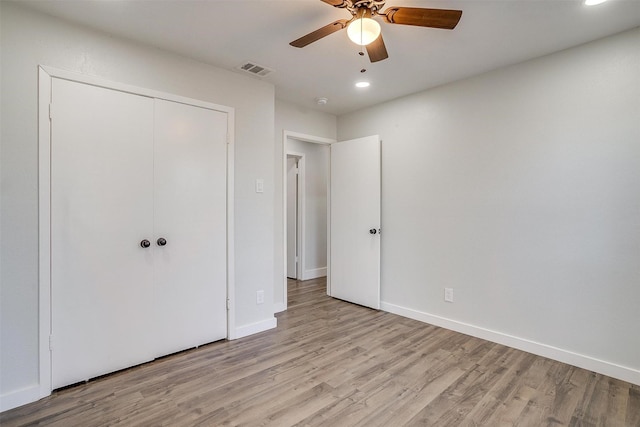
(435, 18)
(377, 50)
(320, 33)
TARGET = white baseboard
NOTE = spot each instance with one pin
(565, 356)
(20, 397)
(254, 328)
(279, 307)
(314, 273)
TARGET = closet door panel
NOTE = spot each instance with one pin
(101, 209)
(190, 214)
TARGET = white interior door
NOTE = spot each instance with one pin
(292, 217)
(190, 214)
(101, 209)
(355, 221)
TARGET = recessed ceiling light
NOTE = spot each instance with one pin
(363, 84)
(593, 2)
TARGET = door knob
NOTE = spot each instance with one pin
(145, 243)
(373, 231)
(161, 241)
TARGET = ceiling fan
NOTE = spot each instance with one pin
(365, 31)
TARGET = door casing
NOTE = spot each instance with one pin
(282, 306)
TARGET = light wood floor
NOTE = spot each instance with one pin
(332, 363)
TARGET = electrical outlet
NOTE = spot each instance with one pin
(260, 297)
(448, 294)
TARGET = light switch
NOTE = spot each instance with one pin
(259, 185)
(448, 294)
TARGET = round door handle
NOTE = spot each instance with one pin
(373, 231)
(145, 243)
(161, 241)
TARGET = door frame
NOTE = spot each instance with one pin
(300, 213)
(45, 76)
(286, 135)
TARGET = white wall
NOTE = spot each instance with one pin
(520, 189)
(29, 39)
(316, 179)
(292, 118)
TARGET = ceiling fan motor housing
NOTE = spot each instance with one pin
(372, 5)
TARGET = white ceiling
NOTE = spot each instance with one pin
(224, 33)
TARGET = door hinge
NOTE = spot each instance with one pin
(228, 138)
(228, 304)
(50, 114)
(50, 342)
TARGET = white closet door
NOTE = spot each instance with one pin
(101, 209)
(190, 214)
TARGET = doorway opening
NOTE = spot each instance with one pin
(306, 226)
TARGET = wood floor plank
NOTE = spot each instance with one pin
(502, 391)
(632, 417)
(331, 363)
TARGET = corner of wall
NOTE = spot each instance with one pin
(254, 328)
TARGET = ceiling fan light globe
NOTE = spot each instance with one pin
(363, 31)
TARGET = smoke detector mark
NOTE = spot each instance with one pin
(255, 69)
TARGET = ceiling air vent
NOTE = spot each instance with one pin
(255, 69)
